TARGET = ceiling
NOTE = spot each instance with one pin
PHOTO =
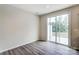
(40, 9)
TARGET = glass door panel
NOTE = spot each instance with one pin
(58, 29)
(52, 29)
(63, 29)
(53, 21)
(58, 22)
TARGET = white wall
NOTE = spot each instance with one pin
(17, 27)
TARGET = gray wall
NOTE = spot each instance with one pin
(75, 27)
(17, 27)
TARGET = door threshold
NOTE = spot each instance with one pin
(58, 43)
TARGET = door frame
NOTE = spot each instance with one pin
(69, 28)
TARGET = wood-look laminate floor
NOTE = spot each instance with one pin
(41, 48)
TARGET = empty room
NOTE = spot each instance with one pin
(39, 29)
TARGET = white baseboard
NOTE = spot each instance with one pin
(16, 46)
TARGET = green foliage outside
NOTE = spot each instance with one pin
(59, 26)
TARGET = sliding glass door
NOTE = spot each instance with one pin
(51, 32)
(58, 29)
